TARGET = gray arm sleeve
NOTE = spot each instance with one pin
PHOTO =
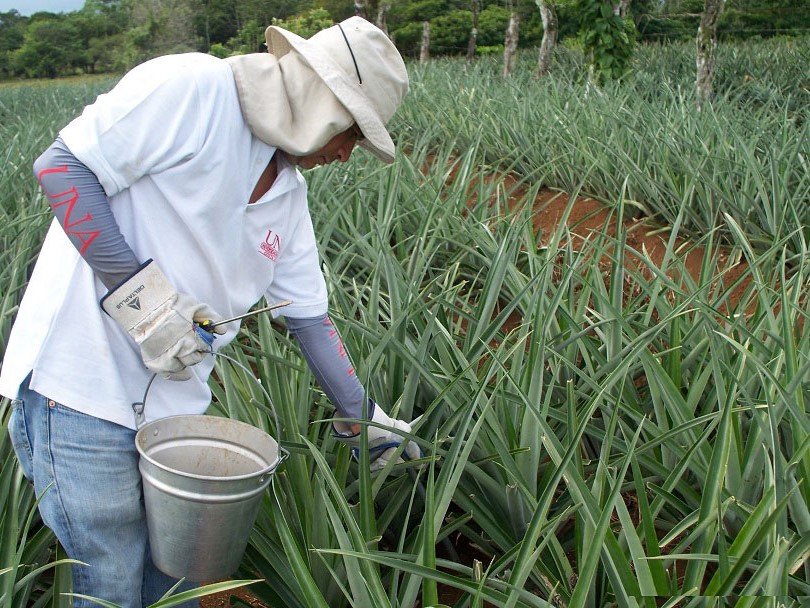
(329, 362)
(81, 206)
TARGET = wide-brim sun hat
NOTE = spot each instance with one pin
(362, 68)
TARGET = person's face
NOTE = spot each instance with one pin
(338, 148)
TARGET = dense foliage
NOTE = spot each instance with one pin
(607, 39)
(608, 430)
(114, 35)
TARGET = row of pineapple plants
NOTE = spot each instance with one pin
(596, 432)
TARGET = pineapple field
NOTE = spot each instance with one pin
(594, 298)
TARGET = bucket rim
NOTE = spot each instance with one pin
(269, 469)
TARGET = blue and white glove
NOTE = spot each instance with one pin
(382, 442)
(161, 321)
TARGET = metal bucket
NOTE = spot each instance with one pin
(203, 481)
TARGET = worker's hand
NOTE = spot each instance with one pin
(382, 442)
(161, 321)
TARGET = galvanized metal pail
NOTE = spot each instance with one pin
(203, 481)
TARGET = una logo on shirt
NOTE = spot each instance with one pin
(271, 246)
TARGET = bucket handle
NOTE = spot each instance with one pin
(138, 407)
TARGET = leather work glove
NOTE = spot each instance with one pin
(382, 442)
(161, 321)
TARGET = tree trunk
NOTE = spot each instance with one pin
(706, 46)
(424, 54)
(510, 44)
(473, 42)
(360, 8)
(550, 29)
(382, 11)
(203, 6)
(620, 9)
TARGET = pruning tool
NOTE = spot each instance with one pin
(208, 325)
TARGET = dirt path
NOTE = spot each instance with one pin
(647, 242)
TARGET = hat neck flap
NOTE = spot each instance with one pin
(286, 104)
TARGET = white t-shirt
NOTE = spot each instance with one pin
(172, 151)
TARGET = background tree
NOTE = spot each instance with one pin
(405, 22)
(450, 33)
(383, 6)
(667, 20)
(214, 21)
(743, 18)
(706, 46)
(424, 53)
(102, 25)
(450, 27)
(52, 46)
(340, 9)
(222, 21)
(12, 35)
(510, 46)
(114, 35)
(360, 9)
(608, 40)
(306, 24)
(550, 30)
(162, 26)
(249, 39)
(473, 41)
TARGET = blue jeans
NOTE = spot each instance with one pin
(95, 505)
